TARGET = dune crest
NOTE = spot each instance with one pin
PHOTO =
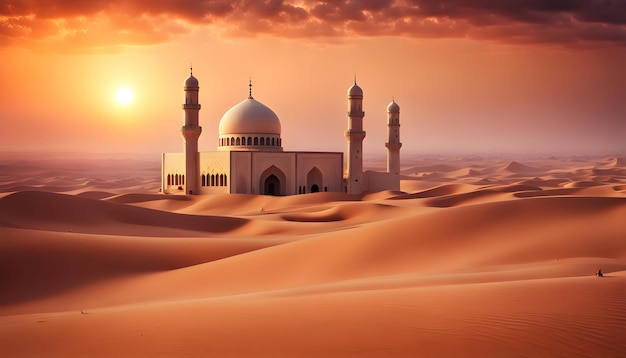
(516, 167)
(60, 212)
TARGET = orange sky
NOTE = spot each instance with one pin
(494, 77)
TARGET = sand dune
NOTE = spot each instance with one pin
(516, 167)
(60, 212)
(612, 163)
(475, 257)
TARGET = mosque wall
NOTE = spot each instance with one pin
(173, 173)
(319, 171)
(214, 172)
(379, 181)
(241, 172)
(281, 165)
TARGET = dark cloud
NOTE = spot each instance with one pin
(98, 22)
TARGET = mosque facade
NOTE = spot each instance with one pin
(250, 158)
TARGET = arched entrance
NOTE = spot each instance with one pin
(273, 182)
(314, 180)
(271, 186)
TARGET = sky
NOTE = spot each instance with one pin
(515, 76)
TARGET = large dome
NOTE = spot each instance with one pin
(249, 117)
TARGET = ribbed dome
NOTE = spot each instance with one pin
(249, 117)
(393, 107)
(355, 91)
(191, 81)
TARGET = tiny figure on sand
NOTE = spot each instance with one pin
(599, 274)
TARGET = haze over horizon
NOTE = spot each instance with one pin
(522, 77)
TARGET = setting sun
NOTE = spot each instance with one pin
(124, 96)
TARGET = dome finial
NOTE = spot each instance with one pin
(250, 85)
(191, 70)
(355, 78)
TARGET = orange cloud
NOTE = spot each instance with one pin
(84, 24)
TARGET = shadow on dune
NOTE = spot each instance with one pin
(450, 195)
(59, 212)
(442, 190)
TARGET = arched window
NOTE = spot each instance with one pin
(225, 180)
(267, 141)
(256, 140)
(212, 180)
(262, 141)
(182, 179)
(169, 180)
(273, 141)
(176, 178)
(249, 141)
(227, 141)
(203, 180)
(238, 141)
(232, 140)
(221, 179)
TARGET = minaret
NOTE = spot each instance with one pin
(355, 135)
(191, 131)
(393, 144)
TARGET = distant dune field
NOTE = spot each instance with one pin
(474, 257)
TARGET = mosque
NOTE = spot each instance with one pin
(250, 158)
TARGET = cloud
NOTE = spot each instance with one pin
(82, 23)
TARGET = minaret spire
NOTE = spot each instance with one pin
(191, 130)
(393, 144)
(355, 135)
(191, 70)
(250, 85)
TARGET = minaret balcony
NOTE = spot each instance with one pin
(191, 132)
(354, 134)
(191, 106)
(356, 114)
(393, 146)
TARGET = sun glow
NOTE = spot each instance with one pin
(124, 96)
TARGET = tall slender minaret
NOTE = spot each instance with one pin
(393, 144)
(191, 131)
(355, 135)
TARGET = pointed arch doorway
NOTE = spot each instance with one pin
(314, 180)
(273, 182)
(271, 186)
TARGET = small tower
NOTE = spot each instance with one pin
(393, 144)
(355, 135)
(191, 132)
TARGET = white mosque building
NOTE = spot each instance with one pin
(250, 158)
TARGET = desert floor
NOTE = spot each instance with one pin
(474, 257)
